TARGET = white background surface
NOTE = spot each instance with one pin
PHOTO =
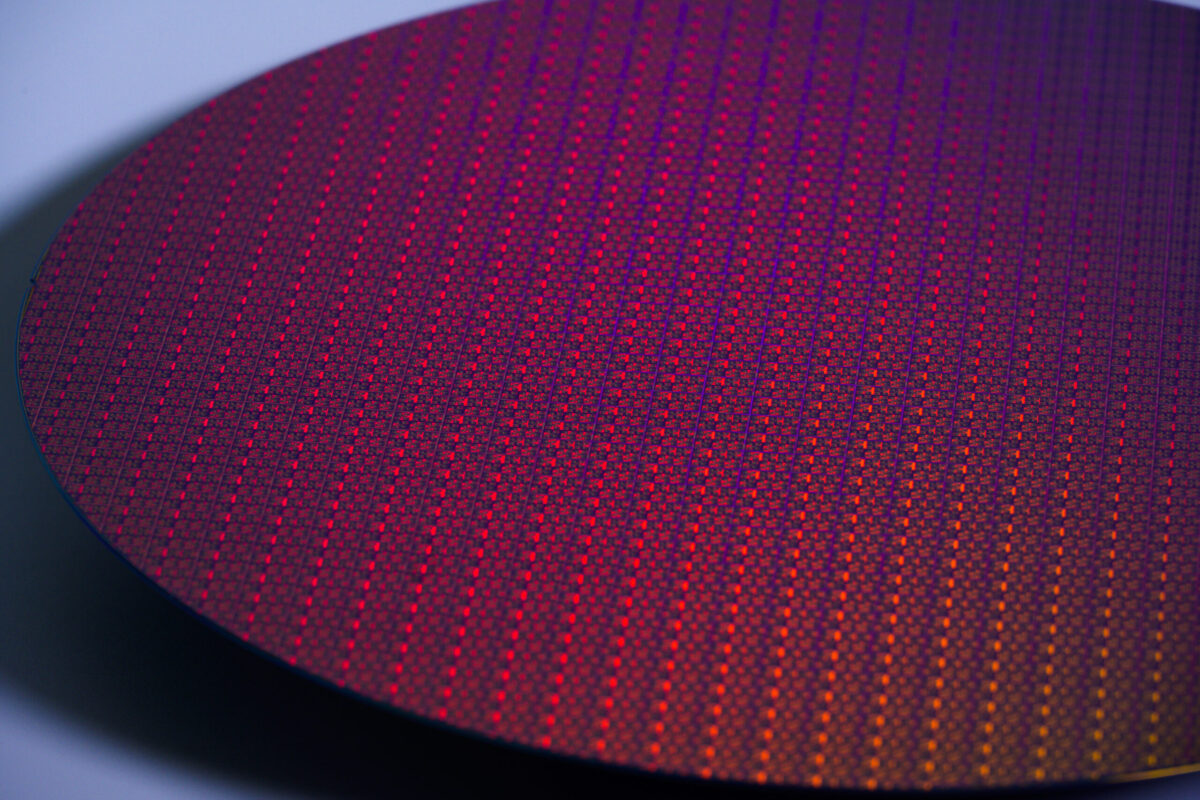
(78, 79)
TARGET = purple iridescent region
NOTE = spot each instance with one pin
(794, 392)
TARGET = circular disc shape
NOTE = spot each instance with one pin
(797, 392)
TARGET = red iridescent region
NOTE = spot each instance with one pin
(794, 391)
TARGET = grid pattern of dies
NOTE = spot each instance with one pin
(801, 392)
